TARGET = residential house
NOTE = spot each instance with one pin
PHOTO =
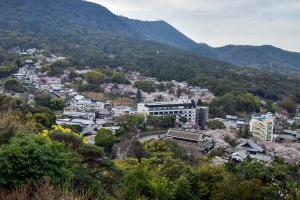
(71, 108)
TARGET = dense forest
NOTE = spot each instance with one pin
(90, 35)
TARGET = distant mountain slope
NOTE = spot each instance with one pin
(84, 15)
(160, 31)
(262, 57)
(90, 35)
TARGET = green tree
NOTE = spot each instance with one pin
(43, 100)
(168, 121)
(32, 157)
(94, 77)
(215, 124)
(179, 91)
(145, 86)
(105, 138)
(183, 119)
(57, 104)
(161, 188)
(288, 105)
(42, 119)
(199, 102)
(119, 78)
(13, 84)
(139, 95)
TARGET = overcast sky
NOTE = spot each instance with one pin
(221, 22)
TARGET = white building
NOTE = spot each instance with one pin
(186, 108)
(262, 127)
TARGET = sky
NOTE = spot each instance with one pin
(221, 22)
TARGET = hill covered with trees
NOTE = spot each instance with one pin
(264, 57)
(90, 35)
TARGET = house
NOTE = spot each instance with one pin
(90, 130)
(83, 122)
(71, 108)
(29, 63)
(81, 115)
(250, 146)
(277, 129)
(103, 113)
(99, 106)
(239, 156)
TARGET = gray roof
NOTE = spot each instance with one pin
(83, 121)
(86, 130)
(242, 153)
(67, 122)
(250, 145)
(103, 112)
(276, 126)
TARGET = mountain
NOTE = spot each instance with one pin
(264, 57)
(88, 35)
(160, 31)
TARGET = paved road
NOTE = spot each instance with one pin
(146, 138)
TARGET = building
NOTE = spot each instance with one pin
(193, 141)
(249, 146)
(202, 116)
(182, 108)
(262, 127)
(29, 63)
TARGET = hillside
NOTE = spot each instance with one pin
(90, 35)
(264, 57)
(160, 31)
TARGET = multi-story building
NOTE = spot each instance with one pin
(202, 116)
(262, 127)
(186, 108)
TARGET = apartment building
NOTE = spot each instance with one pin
(262, 127)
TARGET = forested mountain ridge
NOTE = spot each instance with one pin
(88, 34)
(160, 31)
(264, 57)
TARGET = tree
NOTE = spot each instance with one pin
(119, 78)
(179, 91)
(32, 157)
(105, 138)
(139, 95)
(183, 119)
(13, 84)
(199, 102)
(43, 100)
(288, 105)
(57, 104)
(161, 188)
(43, 119)
(94, 77)
(168, 121)
(145, 86)
(215, 124)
